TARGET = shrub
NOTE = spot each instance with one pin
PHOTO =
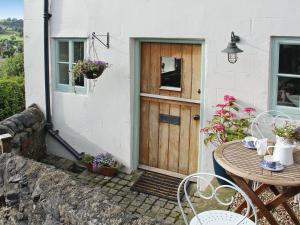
(13, 66)
(12, 96)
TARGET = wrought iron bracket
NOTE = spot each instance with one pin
(97, 37)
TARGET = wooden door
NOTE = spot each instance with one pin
(169, 117)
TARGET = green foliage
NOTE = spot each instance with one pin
(13, 66)
(87, 66)
(288, 131)
(86, 158)
(226, 125)
(12, 96)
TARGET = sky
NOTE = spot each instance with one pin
(11, 8)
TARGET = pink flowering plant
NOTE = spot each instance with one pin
(228, 123)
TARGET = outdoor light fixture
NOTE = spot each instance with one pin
(232, 48)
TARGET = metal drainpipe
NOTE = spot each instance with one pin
(49, 125)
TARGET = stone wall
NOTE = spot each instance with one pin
(33, 193)
(27, 133)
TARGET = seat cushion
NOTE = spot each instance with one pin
(220, 217)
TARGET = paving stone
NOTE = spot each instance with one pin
(131, 195)
(169, 206)
(176, 209)
(115, 180)
(110, 184)
(155, 209)
(141, 197)
(151, 213)
(124, 206)
(126, 201)
(121, 175)
(105, 189)
(118, 187)
(160, 216)
(128, 177)
(145, 206)
(117, 198)
(160, 203)
(126, 189)
(103, 182)
(164, 211)
(179, 222)
(122, 193)
(123, 182)
(174, 214)
(131, 209)
(150, 200)
(113, 191)
(141, 210)
(136, 203)
(170, 220)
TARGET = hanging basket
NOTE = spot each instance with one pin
(93, 74)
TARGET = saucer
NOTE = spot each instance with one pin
(249, 145)
(278, 167)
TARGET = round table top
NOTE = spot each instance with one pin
(244, 162)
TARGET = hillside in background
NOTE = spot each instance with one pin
(11, 27)
(11, 38)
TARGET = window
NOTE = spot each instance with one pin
(67, 53)
(286, 75)
(170, 75)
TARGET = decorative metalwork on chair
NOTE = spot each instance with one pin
(262, 124)
(215, 217)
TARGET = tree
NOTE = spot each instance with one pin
(13, 66)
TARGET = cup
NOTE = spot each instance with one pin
(270, 162)
(250, 141)
(261, 145)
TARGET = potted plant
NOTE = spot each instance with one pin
(105, 164)
(227, 124)
(89, 69)
(87, 159)
(286, 136)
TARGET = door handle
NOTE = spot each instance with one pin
(197, 117)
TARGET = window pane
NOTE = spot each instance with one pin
(288, 91)
(78, 51)
(63, 73)
(170, 71)
(289, 59)
(63, 51)
(79, 81)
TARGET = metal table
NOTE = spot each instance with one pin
(242, 164)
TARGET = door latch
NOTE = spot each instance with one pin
(197, 117)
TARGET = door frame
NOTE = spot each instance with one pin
(135, 118)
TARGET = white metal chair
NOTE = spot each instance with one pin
(263, 123)
(215, 217)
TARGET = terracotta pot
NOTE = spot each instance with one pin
(103, 170)
(108, 171)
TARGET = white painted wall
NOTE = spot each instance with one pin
(101, 120)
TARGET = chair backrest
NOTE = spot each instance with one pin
(263, 124)
(214, 191)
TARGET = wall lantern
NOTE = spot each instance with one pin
(232, 48)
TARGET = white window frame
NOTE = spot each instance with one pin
(276, 41)
(67, 87)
